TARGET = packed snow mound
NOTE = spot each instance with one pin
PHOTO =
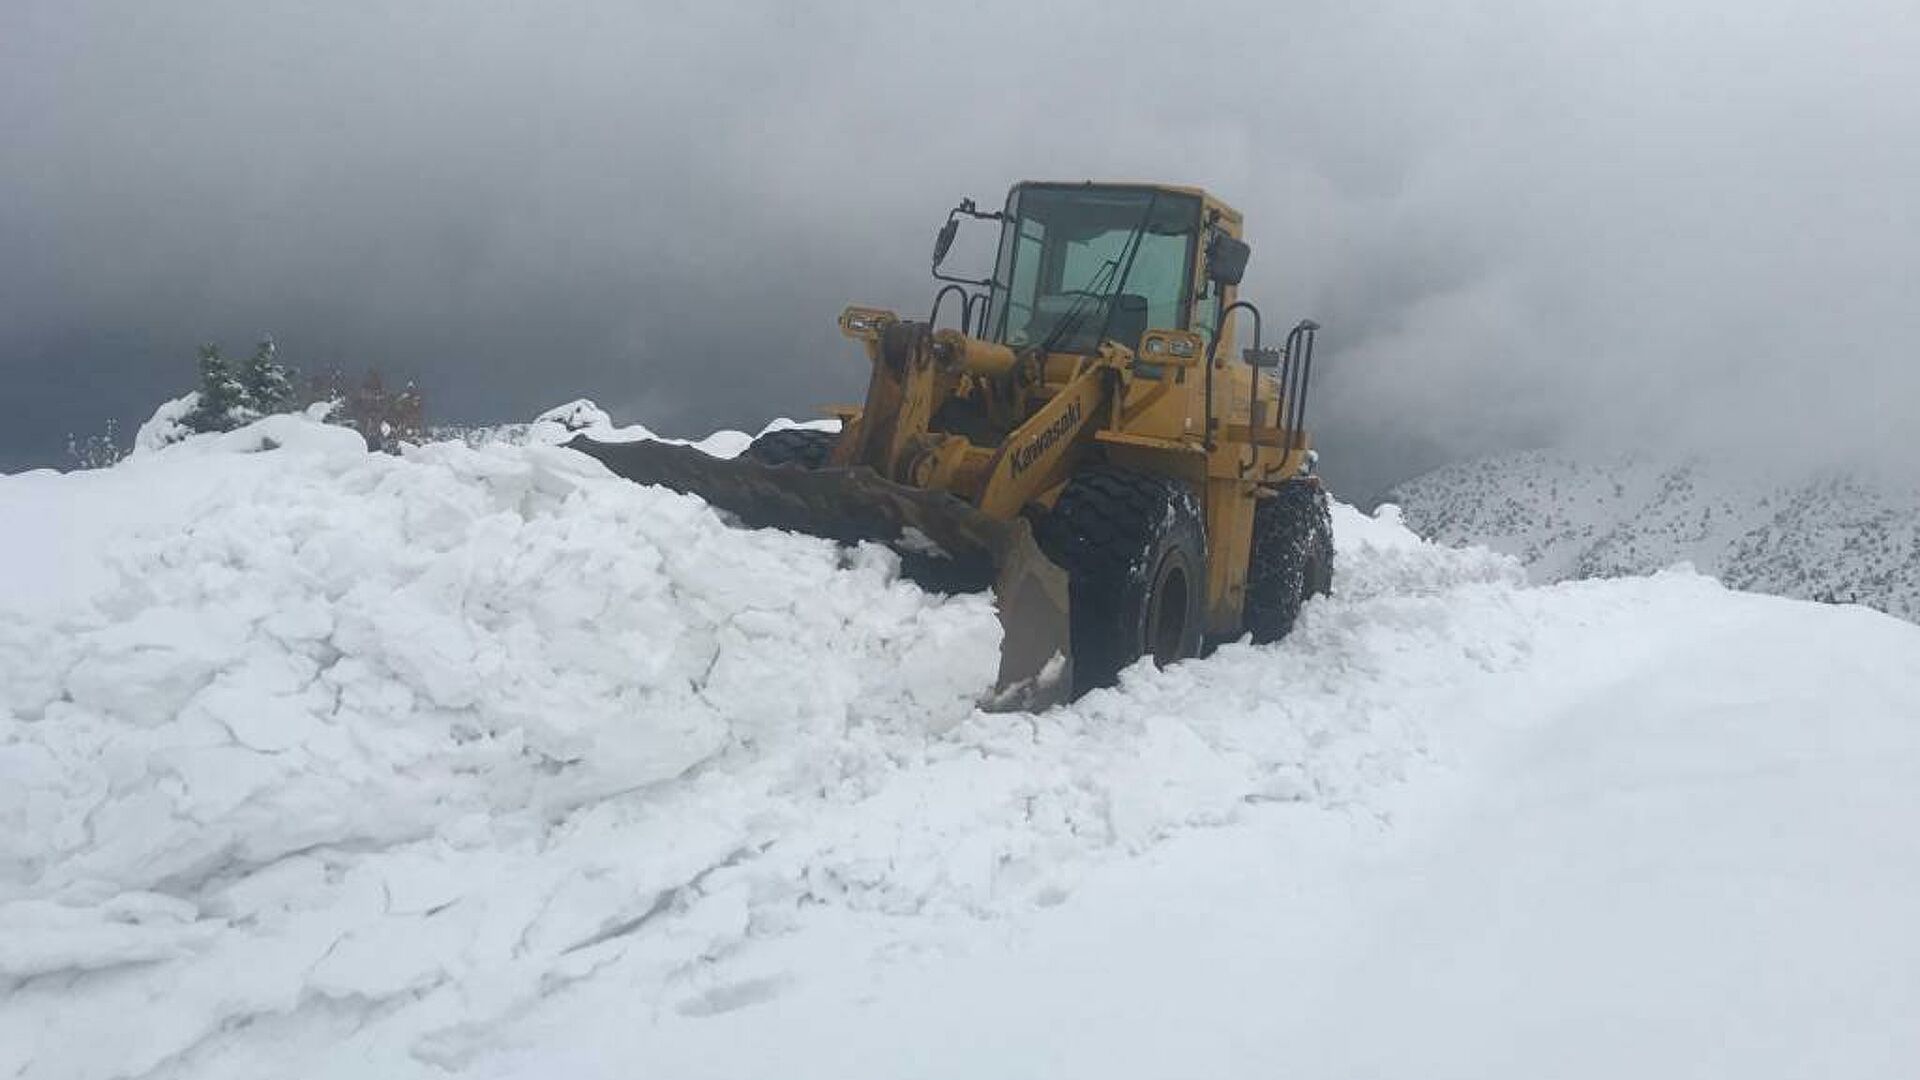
(347, 651)
(1836, 538)
(371, 647)
(562, 422)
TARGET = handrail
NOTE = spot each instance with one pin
(1213, 348)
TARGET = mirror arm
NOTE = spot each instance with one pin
(986, 282)
(968, 208)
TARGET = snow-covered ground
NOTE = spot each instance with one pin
(478, 761)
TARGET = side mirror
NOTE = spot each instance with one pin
(1227, 259)
(944, 242)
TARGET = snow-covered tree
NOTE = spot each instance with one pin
(232, 394)
(268, 384)
(225, 403)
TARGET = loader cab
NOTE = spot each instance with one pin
(1079, 263)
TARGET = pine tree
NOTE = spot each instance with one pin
(224, 401)
(268, 385)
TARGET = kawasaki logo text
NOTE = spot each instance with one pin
(1043, 442)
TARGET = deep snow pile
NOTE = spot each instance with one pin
(319, 657)
(320, 763)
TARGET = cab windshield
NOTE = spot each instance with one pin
(1077, 261)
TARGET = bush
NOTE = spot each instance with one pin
(385, 418)
(96, 451)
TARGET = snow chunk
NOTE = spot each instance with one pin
(37, 937)
(166, 426)
(1377, 555)
(563, 422)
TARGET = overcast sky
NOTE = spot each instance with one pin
(1521, 223)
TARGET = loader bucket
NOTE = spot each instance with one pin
(944, 544)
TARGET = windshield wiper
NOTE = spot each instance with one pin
(1071, 320)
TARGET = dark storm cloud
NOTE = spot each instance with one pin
(1520, 223)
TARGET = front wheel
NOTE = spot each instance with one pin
(1135, 554)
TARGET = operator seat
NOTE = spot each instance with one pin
(1129, 320)
(1128, 325)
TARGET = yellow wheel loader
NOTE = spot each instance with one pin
(1082, 439)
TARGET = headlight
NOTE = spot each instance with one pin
(1182, 348)
(866, 323)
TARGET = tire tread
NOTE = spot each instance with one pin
(1291, 559)
(1101, 531)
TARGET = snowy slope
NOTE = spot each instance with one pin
(479, 761)
(1683, 860)
(1843, 538)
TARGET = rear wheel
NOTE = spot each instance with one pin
(804, 447)
(1135, 555)
(1292, 558)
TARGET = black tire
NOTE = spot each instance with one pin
(1292, 558)
(1135, 554)
(794, 446)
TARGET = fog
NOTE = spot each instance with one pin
(1684, 226)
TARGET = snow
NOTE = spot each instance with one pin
(561, 423)
(1635, 843)
(1848, 537)
(315, 762)
(167, 425)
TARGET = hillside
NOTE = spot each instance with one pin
(1834, 538)
(482, 762)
